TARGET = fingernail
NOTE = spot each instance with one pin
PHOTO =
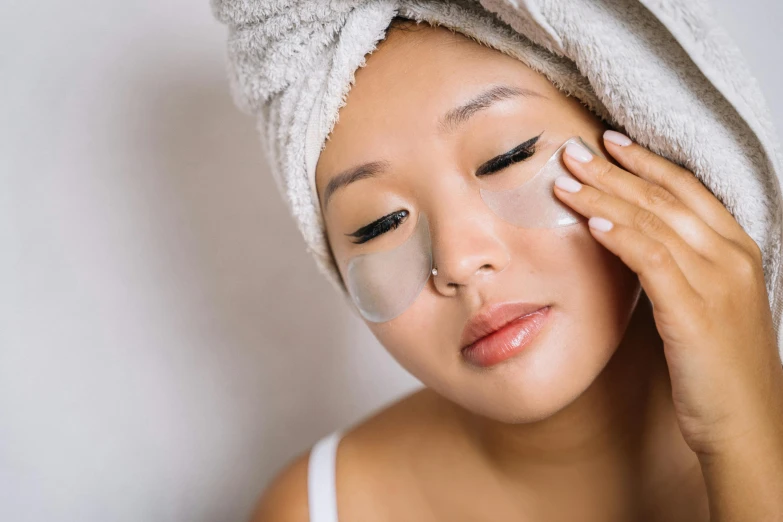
(578, 152)
(568, 184)
(599, 223)
(617, 138)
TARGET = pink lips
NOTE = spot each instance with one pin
(501, 331)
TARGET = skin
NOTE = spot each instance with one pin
(619, 411)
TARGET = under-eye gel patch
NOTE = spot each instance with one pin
(533, 204)
(384, 284)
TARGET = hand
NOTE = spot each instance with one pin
(704, 277)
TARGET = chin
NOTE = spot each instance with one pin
(533, 390)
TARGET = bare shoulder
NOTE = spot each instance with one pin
(388, 451)
(285, 498)
(371, 455)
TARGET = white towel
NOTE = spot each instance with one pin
(661, 71)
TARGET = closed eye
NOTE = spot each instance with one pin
(379, 226)
(519, 153)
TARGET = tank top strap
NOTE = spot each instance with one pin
(321, 479)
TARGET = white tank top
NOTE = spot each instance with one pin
(321, 468)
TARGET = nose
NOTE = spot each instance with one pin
(466, 248)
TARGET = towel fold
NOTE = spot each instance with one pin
(661, 71)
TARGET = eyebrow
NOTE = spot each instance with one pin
(447, 124)
(455, 117)
(366, 170)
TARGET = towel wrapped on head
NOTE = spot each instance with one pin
(661, 71)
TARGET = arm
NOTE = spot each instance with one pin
(744, 478)
(285, 499)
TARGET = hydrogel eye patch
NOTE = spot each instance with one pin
(384, 284)
(532, 203)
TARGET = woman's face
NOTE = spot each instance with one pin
(393, 115)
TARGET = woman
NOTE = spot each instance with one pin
(574, 370)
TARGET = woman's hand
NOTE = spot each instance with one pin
(703, 275)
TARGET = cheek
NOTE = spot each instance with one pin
(425, 339)
(408, 339)
(601, 288)
(568, 267)
(593, 288)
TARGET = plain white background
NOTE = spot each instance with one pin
(166, 343)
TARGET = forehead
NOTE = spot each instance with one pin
(407, 84)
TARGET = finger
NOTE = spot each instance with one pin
(611, 179)
(591, 202)
(659, 273)
(680, 182)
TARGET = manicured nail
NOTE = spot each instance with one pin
(617, 138)
(599, 223)
(578, 152)
(568, 184)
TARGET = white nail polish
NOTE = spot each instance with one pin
(617, 138)
(568, 184)
(578, 152)
(599, 223)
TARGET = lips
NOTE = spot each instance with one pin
(493, 318)
(501, 330)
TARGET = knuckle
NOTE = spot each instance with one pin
(745, 265)
(595, 198)
(658, 255)
(654, 195)
(643, 155)
(754, 250)
(603, 173)
(689, 180)
(646, 221)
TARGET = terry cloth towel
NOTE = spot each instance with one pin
(661, 71)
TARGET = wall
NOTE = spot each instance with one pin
(166, 344)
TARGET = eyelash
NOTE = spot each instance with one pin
(391, 221)
(519, 153)
(381, 226)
